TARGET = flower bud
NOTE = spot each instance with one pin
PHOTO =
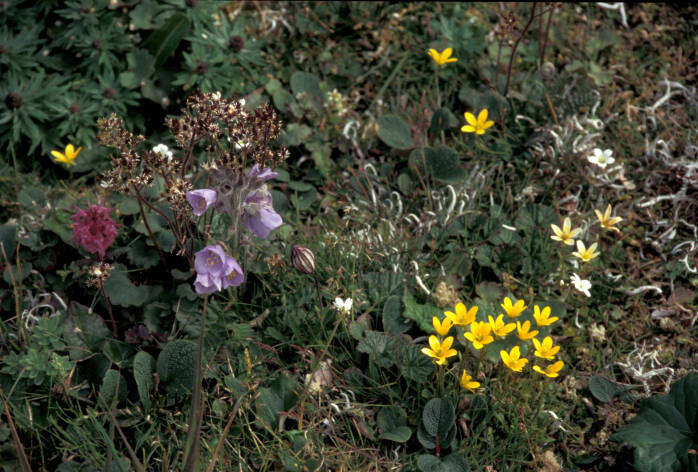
(303, 259)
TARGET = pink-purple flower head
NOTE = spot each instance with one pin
(93, 228)
(263, 175)
(215, 270)
(201, 199)
(259, 215)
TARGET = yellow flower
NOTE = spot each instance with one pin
(442, 58)
(514, 310)
(545, 349)
(441, 327)
(479, 334)
(513, 359)
(585, 254)
(476, 125)
(523, 331)
(551, 370)
(68, 157)
(462, 316)
(466, 381)
(606, 221)
(499, 328)
(566, 234)
(440, 350)
(543, 317)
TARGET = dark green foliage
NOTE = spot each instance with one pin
(143, 369)
(665, 431)
(394, 132)
(113, 384)
(176, 366)
(437, 429)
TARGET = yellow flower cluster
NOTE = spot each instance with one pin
(482, 333)
(566, 234)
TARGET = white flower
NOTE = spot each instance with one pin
(601, 158)
(343, 306)
(582, 285)
(164, 150)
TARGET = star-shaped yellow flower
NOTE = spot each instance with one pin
(479, 334)
(499, 328)
(440, 350)
(68, 156)
(543, 318)
(514, 310)
(476, 125)
(584, 253)
(441, 327)
(550, 371)
(442, 58)
(462, 316)
(566, 234)
(513, 359)
(545, 349)
(524, 331)
(606, 221)
(466, 381)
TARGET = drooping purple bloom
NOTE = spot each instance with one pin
(263, 175)
(259, 215)
(215, 270)
(201, 199)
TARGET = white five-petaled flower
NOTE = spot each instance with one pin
(601, 158)
(343, 306)
(164, 150)
(583, 285)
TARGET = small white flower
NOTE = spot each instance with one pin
(601, 158)
(164, 150)
(343, 306)
(583, 285)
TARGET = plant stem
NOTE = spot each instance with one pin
(111, 314)
(516, 46)
(139, 197)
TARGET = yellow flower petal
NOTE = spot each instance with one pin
(467, 129)
(482, 116)
(470, 118)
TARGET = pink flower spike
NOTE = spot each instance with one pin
(93, 228)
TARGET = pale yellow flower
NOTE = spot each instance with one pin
(606, 221)
(566, 234)
(513, 359)
(466, 381)
(584, 253)
(513, 310)
(68, 156)
(440, 350)
(441, 327)
(479, 334)
(442, 58)
(499, 328)
(545, 349)
(550, 371)
(477, 125)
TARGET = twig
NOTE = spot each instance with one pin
(516, 46)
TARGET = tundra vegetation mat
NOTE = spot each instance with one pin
(247, 236)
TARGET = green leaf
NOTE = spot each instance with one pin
(438, 417)
(665, 430)
(605, 390)
(295, 134)
(8, 237)
(414, 365)
(142, 256)
(112, 383)
(143, 368)
(164, 41)
(451, 463)
(122, 292)
(422, 314)
(176, 366)
(394, 132)
(304, 82)
(443, 164)
(442, 120)
(85, 331)
(268, 407)
(392, 421)
(393, 322)
(286, 389)
(378, 346)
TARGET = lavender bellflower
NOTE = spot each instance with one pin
(215, 270)
(201, 199)
(258, 214)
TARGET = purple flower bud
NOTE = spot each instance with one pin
(201, 199)
(263, 175)
(259, 215)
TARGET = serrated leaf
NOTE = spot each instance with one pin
(422, 314)
(394, 132)
(665, 431)
(378, 346)
(414, 365)
(164, 41)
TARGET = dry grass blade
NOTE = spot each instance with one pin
(23, 460)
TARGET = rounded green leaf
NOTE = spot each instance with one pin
(443, 164)
(438, 417)
(394, 132)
